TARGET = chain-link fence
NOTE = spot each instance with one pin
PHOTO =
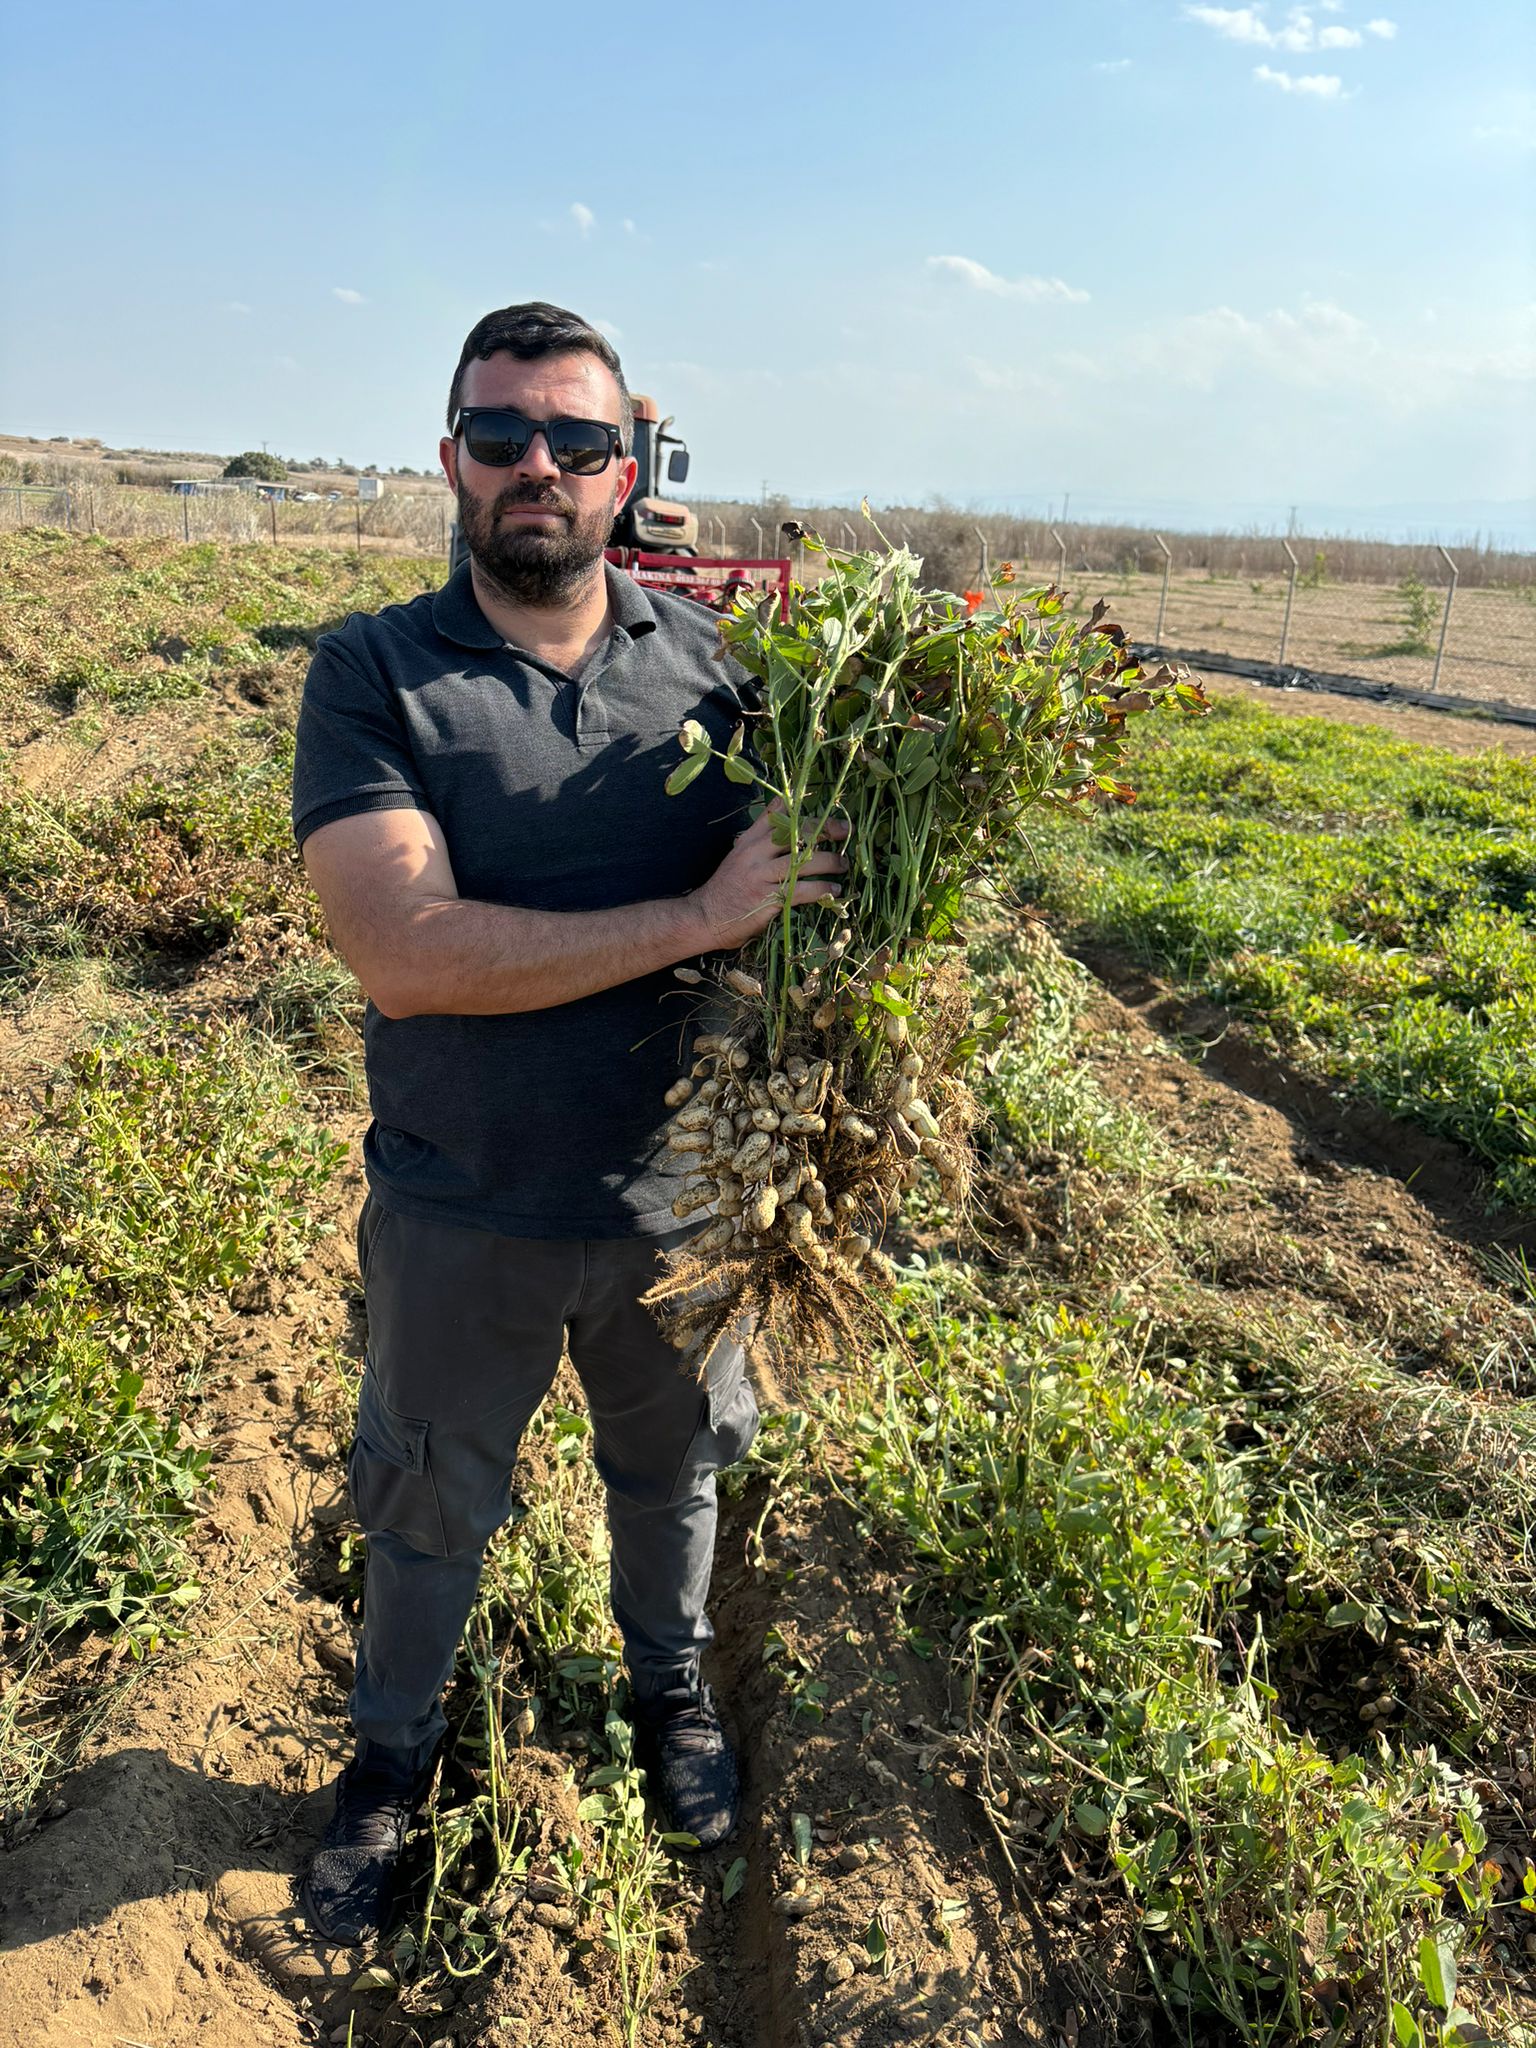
(398, 522)
(1458, 623)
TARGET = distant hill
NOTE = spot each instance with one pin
(59, 459)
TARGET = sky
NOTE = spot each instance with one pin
(1160, 262)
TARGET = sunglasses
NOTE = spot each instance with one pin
(497, 436)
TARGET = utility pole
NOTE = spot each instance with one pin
(1066, 501)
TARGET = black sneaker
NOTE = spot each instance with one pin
(689, 1764)
(349, 1885)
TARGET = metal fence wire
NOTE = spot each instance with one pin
(1420, 619)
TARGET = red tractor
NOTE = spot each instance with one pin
(656, 539)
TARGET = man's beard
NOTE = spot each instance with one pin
(532, 565)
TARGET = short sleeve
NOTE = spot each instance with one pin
(351, 753)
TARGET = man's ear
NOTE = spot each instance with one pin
(629, 469)
(448, 456)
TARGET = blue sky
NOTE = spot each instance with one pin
(1183, 262)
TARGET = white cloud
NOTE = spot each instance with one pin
(584, 218)
(981, 279)
(1298, 34)
(1322, 85)
(629, 227)
(284, 363)
(347, 296)
(1114, 64)
(1247, 25)
(235, 306)
(1318, 347)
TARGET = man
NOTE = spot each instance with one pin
(478, 796)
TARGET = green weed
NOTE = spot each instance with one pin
(1370, 902)
(171, 1164)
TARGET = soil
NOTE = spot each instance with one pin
(1341, 628)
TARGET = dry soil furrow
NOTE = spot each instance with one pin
(150, 1909)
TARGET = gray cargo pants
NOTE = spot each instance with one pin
(465, 1331)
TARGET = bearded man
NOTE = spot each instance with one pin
(478, 796)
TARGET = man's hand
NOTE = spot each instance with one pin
(746, 892)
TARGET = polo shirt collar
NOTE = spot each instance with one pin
(457, 615)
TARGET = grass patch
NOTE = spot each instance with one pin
(132, 623)
(172, 1163)
(1244, 1614)
(1366, 901)
(174, 866)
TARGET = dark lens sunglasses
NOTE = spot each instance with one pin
(499, 437)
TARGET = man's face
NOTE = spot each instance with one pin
(536, 533)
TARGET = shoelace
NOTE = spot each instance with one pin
(693, 1728)
(376, 1818)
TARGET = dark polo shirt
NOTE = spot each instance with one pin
(544, 1123)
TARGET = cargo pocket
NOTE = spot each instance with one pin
(733, 1416)
(727, 1421)
(369, 1221)
(389, 1474)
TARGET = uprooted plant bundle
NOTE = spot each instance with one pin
(833, 1063)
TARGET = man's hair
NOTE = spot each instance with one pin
(534, 330)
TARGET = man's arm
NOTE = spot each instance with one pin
(419, 949)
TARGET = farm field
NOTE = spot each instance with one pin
(1145, 1652)
(1355, 629)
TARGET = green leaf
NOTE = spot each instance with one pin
(593, 1807)
(685, 772)
(734, 1879)
(692, 737)
(875, 1940)
(737, 770)
(374, 1978)
(1463, 2031)
(800, 1829)
(1091, 1819)
(1437, 1969)
(1344, 1614)
(678, 1838)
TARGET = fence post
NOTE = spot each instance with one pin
(1061, 572)
(272, 508)
(757, 528)
(986, 558)
(1290, 593)
(69, 511)
(850, 538)
(186, 521)
(1162, 602)
(90, 502)
(1445, 621)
